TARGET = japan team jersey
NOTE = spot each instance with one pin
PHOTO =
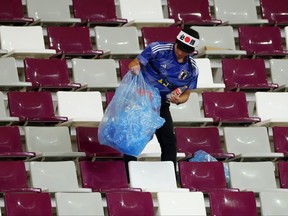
(161, 69)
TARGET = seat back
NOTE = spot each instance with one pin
(181, 203)
(135, 202)
(103, 175)
(192, 139)
(10, 139)
(28, 204)
(9, 72)
(22, 38)
(99, 73)
(283, 173)
(79, 204)
(116, 39)
(3, 109)
(260, 39)
(273, 202)
(202, 176)
(280, 139)
(123, 66)
(163, 34)
(109, 96)
(286, 36)
(11, 9)
(278, 69)
(276, 12)
(232, 203)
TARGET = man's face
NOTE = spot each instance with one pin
(179, 53)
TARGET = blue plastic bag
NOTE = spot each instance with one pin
(132, 116)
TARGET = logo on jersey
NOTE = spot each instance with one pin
(163, 66)
(183, 74)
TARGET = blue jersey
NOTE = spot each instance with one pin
(161, 69)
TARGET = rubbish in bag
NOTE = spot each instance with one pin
(132, 116)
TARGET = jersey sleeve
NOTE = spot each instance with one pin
(195, 74)
(146, 54)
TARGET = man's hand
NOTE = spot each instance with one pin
(135, 69)
(175, 99)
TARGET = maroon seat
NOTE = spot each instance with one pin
(232, 203)
(97, 12)
(28, 204)
(130, 203)
(283, 173)
(87, 141)
(33, 108)
(103, 176)
(186, 13)
(48, 74)
(275, 11)
(163, 34)
(261, 41)
(280, 139)
(246, 75)
(13, 177)
(11, 13)
(192, 139)
(71, 42)
(123, 66)
(109, 96)
(11, 146)
(227, 108)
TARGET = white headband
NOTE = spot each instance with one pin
(188, 39)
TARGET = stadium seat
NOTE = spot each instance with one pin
(104, 176)
(275, 11)
(56, 176)
(280, 141)
(33, 108)
(162, 34)
(189, 113)
(26, 204)
(278, 73)
(93, 13)
(249, 143)
(79, 204)
(129, 203)
(202, 176)
(234, 12)
(142, 13)
(246, 75)
(193, 139)
(24, 41)
(227, 108)
(50, 143)
(117, 42)
(123, 67)
(11, 147)
(233, 203)
(261, 41)
(10, 79)
(273, 203)
(51, 12)
(271, 107)
(81, 108)
(14, 178)
(286, 36)
(216, 42)
(109, 96)
(181, 203)
(87, 141)
(71, 42)
(11, 13)
(48, 74)
(6, 119)
(253, 176)
(187, 14)
(153, 176)
(282, 167)
(94, 74)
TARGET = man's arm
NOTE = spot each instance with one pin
(180, 99)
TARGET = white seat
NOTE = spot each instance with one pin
(253, 176)
(5, 119)
(50, 143)
(81, 108)
(117, 42)
(181, 203)
(55, 177)
(250, 143)
(217, 41)
(271, 107)
(9, 75)
(142, 13)
(278, 71)
(79, 204)
(95, 74)
(189, 112)
(273, 203)
(153, 176)
(24, 41)
(234, 12)
(286, 36)
(50, 12)
(205, 77)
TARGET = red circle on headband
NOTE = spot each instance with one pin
(187, 39)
